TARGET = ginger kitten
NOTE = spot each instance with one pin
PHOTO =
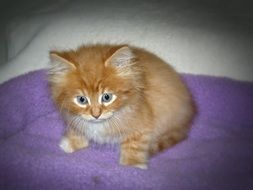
(119, 94)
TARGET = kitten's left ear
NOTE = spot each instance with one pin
(122, 58)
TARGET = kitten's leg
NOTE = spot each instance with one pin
(135, 151)
(73, 141)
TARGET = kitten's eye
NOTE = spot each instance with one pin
(82, 100)
(107, 97)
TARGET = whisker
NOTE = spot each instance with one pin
(116, 121)
(62, 104)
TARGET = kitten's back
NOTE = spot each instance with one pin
(169, 99)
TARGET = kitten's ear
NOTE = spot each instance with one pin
(122, 58)
(61, 60)
(60, 65)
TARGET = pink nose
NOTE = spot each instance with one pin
(96, 112)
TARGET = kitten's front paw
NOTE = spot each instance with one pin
(140, 166)
(71, 143)
(133, 162)
(66, 145)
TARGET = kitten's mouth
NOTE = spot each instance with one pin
(101, 119)
(97, 120)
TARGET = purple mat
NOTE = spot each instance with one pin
(218, 154)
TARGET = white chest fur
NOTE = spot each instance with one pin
(98, 132)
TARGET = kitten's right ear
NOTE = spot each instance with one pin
(61, 58)
(60, 65)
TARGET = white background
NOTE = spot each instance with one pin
(200, 37)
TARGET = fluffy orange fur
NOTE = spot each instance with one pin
(120, 94)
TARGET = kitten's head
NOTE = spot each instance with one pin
(94, 82)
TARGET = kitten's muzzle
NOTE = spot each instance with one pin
(96, 112)
(96, 116)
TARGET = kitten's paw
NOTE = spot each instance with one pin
(72, 143)
(66, 145)
(141, 166)
(130, 162)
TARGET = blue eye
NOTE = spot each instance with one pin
(82, 100)
(106, 97)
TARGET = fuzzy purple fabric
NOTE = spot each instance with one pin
(217, 155)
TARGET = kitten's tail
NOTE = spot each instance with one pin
(168, 139)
